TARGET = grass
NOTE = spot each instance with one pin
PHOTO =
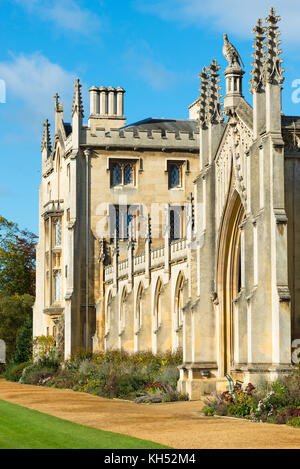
(22, 428)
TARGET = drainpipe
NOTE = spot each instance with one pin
(87, 154)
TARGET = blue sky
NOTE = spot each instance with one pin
(153, 49)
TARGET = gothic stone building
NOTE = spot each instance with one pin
(168, 234)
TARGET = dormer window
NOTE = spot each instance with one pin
(122, 173)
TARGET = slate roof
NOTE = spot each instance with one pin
(172, 125)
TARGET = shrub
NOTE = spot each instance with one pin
(23, 352)
(169, 374)
(43, 346)
(294, 422)
(209, 410)
(14, 371)
(39, 370)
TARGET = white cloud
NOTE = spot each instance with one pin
(67, 15)
(232, 16)
(31, 83)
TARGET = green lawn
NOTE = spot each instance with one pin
(22, 428)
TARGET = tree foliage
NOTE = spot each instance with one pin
(17, 259)
(14, 311)
(23, 352)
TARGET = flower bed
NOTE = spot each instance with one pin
(278, 402)
(142, 377)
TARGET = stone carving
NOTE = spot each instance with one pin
(214, 112)
(231, 54)
(259, 57)
(272, 72)
(46, 142)
(77, 100)
(203, 97)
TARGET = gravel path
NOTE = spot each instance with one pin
(179, 425)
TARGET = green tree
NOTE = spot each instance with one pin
(14, 311)
(17, 259)
(23, 352)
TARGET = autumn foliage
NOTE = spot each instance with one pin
(17, 259)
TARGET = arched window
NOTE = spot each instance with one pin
(58, 233)
(117, 174)
(174, 176)
(108, 312)
(128, 174)
(139, 310)
(178, 301)
(123, 309)
(57, 287)
(157, 305)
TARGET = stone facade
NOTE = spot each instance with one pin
(168, 234)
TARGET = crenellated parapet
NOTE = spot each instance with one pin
(132, 138)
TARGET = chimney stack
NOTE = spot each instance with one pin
(107, 107)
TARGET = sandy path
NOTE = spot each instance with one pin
(178, 424)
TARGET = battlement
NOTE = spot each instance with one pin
(134, 138)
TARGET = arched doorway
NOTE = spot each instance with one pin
(229, 279)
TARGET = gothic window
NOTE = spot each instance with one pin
(139, 307)
(108, 312)
(178, 301)
(157, 305)
(57, 287)
(58, 233)
(122, 173)
(175, 174)
(123, 309)
(117, 175)
(128, 175)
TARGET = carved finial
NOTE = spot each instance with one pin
(77, 100)
(273, 72)
(203, 97)
(258, 55)
(214, 112)
(231, 54)
(56, 101)
(46, 142)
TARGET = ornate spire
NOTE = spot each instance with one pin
(46, 142)
(272, 72)
(258, 55)
(77, 100)
(214, 112)
(203, 97)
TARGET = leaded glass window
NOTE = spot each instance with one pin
(57, 287)
(117, 174)
(174, 176)
(128, 174)
(58, 233)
